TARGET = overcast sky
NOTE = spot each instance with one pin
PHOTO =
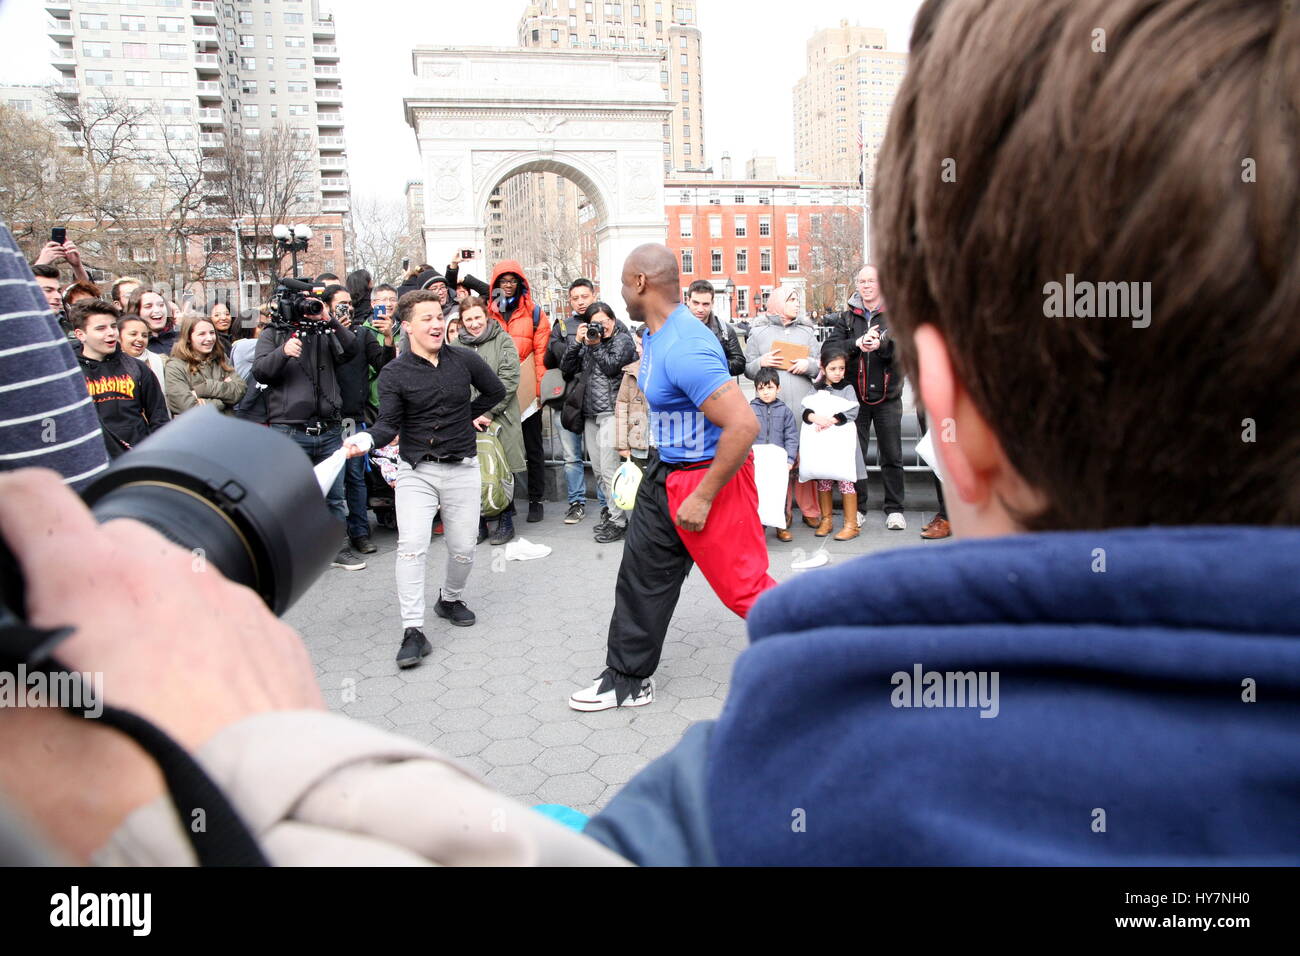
(753, 56)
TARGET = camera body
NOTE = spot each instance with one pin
(296, 308)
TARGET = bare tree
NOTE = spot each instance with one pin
(836, 250)
(379, 237)
(267, 180)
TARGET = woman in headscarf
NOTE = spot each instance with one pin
(786, 323)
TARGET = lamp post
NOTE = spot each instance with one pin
(237, 225)
(292, 240)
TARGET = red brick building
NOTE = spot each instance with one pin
(748, 236)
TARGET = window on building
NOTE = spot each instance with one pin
(329, 240)
(137, 77)
(177, 107)
(765, 260)
(296, 86)
(686, 132)
(715, 261)
(99, 77)
(742, 260)
(686, 96)
(555, 36)
(295, 43)
(742, 301)
(247, 40)
(270, 63)
(791, 258)
(815, 227)
(171, 24)
(246, 16)
(299, 109)
(95, 21)
(715, 227)
(173, 51)
(688, 262)
(250, 111)
(175, 79)
(792, 225)
(135, 51)
(686, 226)
(295, 63)
(686, 79)
(248, 87)
(681, 41)
(663, 77)
(764, 225)
(293, 18)
(129, 23)
(685, 59)
(248, 63)
(96, 50)
(742, 227)
(270, 42)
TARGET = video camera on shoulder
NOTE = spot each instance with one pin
(298, 310)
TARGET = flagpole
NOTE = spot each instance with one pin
(866, 202)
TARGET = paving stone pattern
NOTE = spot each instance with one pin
(495, 695)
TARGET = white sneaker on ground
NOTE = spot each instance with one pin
(590, 700)
(521, 549)
(817, 559)
(896, 521)
(862, 519)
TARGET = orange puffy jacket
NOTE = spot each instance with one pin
(530, 339)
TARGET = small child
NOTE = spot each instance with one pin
(834, 360)
(776, 426)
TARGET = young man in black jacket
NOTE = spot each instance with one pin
(425, 396)
(863, 330)
(582, 292)
(699, 299)
(596, 356)
(127, 396)
(298, 365)
(354, 389)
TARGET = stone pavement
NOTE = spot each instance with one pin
(494, 695)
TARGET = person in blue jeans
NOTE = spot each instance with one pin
(297, 361)
(582, 293)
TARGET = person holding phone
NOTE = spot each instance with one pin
(59, 249)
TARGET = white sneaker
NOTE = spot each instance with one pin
(589, 700)
(817, 559)
(896, 521)
(521, 549)
(862, 519)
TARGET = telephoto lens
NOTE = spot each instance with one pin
(241, 497)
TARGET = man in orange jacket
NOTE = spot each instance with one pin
(510, 302)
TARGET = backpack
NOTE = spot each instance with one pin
(498, 479)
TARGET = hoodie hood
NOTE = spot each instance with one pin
(775, 320)
(510, 265)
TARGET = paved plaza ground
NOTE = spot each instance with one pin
(494, 695)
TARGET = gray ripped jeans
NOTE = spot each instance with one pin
(421, 491)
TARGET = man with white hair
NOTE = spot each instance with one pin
(864, 331)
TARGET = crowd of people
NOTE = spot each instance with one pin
(1124, 494)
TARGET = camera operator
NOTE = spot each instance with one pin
(598, 352)
(296, 359)
(354, 388)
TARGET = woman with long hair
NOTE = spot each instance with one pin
(223, 322)
(133, 339)
(197, 372)
(152, 307)
(359, 284)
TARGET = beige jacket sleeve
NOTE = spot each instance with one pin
(321, 789)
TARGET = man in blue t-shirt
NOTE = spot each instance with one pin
(697, 503)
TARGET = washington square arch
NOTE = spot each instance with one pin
(482, 115)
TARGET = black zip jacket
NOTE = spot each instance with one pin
(872, 374)
(354, 375)
(430, 405)
(602, 366)
(302, 390)
(730, 345)
(127, 397)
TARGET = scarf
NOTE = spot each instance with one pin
(490, 331)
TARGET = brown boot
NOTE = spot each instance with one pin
(936, 529)
(850, 529)
(783, 534)
(826, 501)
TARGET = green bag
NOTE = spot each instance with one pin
(498, 479)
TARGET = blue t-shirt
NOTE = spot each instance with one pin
(681, 366)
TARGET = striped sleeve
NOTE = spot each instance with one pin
(47, 419)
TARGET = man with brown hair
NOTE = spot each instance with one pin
(1040, 145)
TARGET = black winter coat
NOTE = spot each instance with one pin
(730, 345)
(601, 367)
(872, 374)
(353, 374)
(305, 389)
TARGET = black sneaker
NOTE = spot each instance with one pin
(577, 511)
(454, 611)
(414, 646)
(534, 512)
(362, 545)
(505, 530)
(611, 532)
(348, 561)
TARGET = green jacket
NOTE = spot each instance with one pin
(502, 357)
(210, 383)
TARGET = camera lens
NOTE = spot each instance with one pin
(238, 496)
(311, 307)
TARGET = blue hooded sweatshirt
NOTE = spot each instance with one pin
(1146, 712)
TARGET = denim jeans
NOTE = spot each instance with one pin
(421, 492)
(354, 484)
(575, 474)
(318, 448)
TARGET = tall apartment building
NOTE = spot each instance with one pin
(851, 78)
(205, 67)
(664, 25)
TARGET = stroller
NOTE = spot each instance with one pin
(381, 477)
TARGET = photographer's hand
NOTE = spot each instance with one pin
(293, 347)
(175, 642)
